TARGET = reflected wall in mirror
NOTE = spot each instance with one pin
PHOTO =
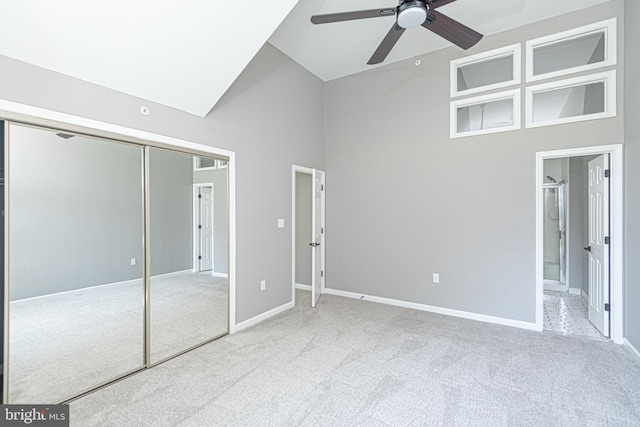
(189, 297)
(76, 314)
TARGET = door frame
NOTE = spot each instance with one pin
(196, 217)
(16, 111)
(307, 171)
(616, 248)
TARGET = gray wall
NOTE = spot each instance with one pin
(272, 117)
(304, 196)
(409, 201)
(220, 215)
(76, 212)
(632, 173)
(171, 211)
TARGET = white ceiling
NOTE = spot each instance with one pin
(339, 49)
(187, 54)
(184, 54)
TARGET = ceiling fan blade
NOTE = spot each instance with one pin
(434, 4)
(387, 44)
(349, 16)
(451, 30)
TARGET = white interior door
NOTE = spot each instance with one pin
(205, 228)
(598, 243)
(317, 232)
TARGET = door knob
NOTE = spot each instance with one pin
(588, 249)
(314, 244)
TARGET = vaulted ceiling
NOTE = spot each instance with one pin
(187, 54)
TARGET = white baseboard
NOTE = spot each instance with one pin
(439, 310)
(224, 275)
(634, 350)
(125, 282)
(173, 273)
(575, 291)
(584, 295)
(264, 316)
(553, 287)
(302, 287)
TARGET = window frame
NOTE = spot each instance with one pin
(514, 50)
(610, 98)
(513, 94)
(608, 27)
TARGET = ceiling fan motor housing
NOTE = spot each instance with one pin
(412, 13)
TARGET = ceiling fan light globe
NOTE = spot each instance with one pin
(412, 17)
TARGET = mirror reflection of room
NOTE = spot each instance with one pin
(75, 271)
(188, 241)
(86, 306)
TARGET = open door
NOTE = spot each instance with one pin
(317, 232)
(599, 243)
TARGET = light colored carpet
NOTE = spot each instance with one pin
(357, 363)
(65, 343)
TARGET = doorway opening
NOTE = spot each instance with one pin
(578, 242)
(308, 232)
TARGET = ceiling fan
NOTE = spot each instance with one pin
(409, 14)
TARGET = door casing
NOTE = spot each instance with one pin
(308, 171)
(616, 246)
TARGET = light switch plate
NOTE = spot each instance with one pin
(280, 222)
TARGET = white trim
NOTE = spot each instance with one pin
(173, 273)
(302, 287)
(584, 295)
(264, 316)
(608, 27)
(554, 286)
(433, 309)
(630, 346)
(196, 234)
(308, 171)
(616, 248)
(575, 291)
(513, 94)
(607, 77)
(221, 165)
(44, 114)
(197, 168)
(513, 50)
(216, 274)
(124, 282)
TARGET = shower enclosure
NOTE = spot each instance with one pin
(555, 235)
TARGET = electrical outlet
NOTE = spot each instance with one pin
(436, 278)
(263, 285)
(133, 261)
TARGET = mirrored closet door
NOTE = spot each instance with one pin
(116, 259)
(75, 274)
(188, 293)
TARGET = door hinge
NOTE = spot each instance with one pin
(199, 256)
(607, 173)
(199, 226)
(322, 187)
(199, 196)
(321, 273)
(321, 230)
(606, 240)
(607, 307)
